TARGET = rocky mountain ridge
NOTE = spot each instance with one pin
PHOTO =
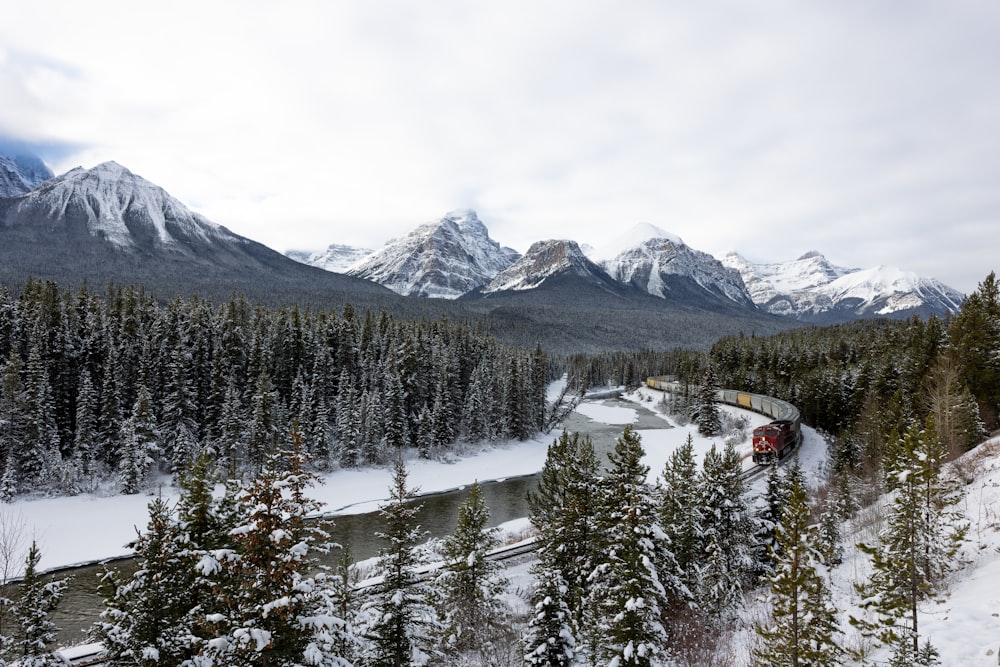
(108, 217)
(812, 289)
(445, 258)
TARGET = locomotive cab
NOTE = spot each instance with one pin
(772, 441)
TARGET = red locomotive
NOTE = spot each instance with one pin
(772, 441)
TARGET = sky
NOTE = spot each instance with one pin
(866, 130)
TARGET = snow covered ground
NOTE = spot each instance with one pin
(964, 627)
(87, 528)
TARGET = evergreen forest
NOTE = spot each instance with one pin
(108, 390)
(632, 567)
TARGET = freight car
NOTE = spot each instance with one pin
(771, 441)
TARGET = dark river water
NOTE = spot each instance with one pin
(506, 499)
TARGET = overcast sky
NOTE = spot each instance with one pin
(866, 129)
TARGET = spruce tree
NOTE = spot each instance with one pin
(267, 599)
(13, 423)
(625, 584)
(802, 628)
(151, 618)
(402, 618)
(706, 414)
(682, 521)
(36, 632)
(975, 339)
(86, 438)
(140, 444)
(563, 508)
(549, 640)
(918, 546)
(471, 583)
(728, 534)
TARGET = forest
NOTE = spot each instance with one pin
(631, 569)
(105, 390)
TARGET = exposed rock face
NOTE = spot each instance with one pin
(442, 259)
(812, 289)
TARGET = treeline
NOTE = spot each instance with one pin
(863, 382)
(867, 382)
(113, 387)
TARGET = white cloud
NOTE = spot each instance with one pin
(866, 131)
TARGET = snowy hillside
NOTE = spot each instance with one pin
(811, 288)
(648, 257)
(964, 625)
(443, 259)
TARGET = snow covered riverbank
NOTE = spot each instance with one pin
(88, 528)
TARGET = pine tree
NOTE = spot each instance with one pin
(563, 508)
(402, 618)
(549, 640)
(917, 548)
(150, 619)
(626, 585)
(267, 600)
(36, 632)
(802, 627)
(471, 583)
(706, 414)
(728, 562)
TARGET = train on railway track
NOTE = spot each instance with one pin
(771, 441)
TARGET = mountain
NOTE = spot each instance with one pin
(444, 259)
(20, 172)
(553, 264)
(557, 296)
(663, 265)
(108, 224)
(811, 289)
(337, 257)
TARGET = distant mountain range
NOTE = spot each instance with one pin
(455, 257)
(811, 289)
(648, 289)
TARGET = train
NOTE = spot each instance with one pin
(771, 441)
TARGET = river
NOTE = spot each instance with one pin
(506, 499)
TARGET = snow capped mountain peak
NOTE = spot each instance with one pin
(543, 260)
(811, 288)
(658, 262)
(635, 236)
(338, 258)
(445, 258)
(123, 208)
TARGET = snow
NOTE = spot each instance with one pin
(441, 259)
(634, 236)
(964, 625)
(812, 284)
(608, 414)
(88, 528)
